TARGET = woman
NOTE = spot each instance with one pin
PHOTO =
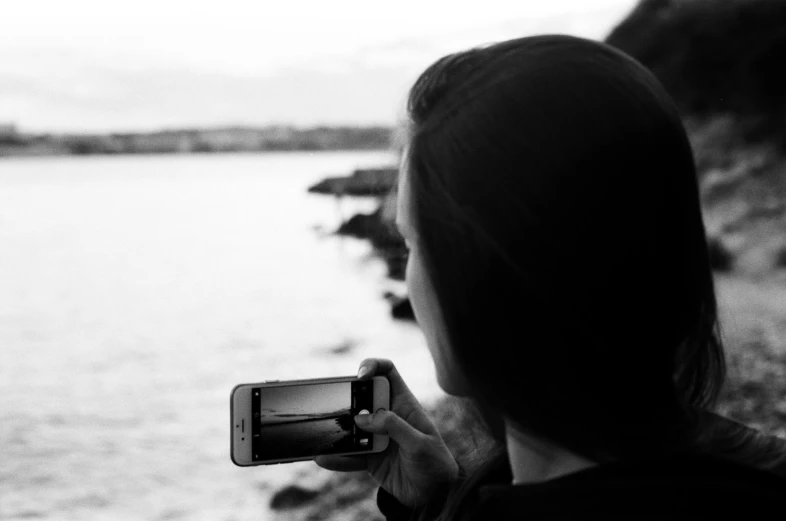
(559, 271)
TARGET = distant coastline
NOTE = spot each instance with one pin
(188, 141)
(280, 419)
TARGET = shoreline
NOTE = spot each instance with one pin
(4, 155)
(197, 140)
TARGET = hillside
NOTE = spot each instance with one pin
(723, 63)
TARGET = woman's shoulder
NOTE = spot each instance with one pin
(733, 441)
(694, 485)
(731, 468)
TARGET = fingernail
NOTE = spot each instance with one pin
(363, 419)
(363, 370)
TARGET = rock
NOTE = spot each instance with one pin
(396, 259)
(343, 348)
(372, 181)
(402, 310)
(341, 495)
(362, 182)
(400, 307)
(361, 225)
(721, 258)
(329, 185)
(292, 496)
(378, 228)
(384, 237)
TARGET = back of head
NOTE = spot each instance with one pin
(556, 202)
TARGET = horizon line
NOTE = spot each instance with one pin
(20, 131)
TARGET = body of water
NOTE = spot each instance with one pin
(135, 292)
(306, 437)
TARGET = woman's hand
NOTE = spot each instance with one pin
(417, 461)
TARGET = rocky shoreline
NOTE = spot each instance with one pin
(376, 227)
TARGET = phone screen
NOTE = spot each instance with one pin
(307, 420)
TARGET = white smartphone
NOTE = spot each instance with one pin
(296, 420)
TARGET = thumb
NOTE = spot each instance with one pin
(390, 423)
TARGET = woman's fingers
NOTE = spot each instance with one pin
(342, 463)
(378, 367)
(390, 423)
(402, 401)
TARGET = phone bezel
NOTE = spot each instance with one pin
(240, 412)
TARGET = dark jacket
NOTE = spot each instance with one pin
(741, 474)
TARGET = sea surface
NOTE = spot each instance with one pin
(307, 437)
(136, 291)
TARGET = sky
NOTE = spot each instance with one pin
(99, 65)
(305, 400)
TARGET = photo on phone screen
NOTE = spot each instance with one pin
(300, 421)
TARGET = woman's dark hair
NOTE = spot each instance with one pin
(556, 204)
